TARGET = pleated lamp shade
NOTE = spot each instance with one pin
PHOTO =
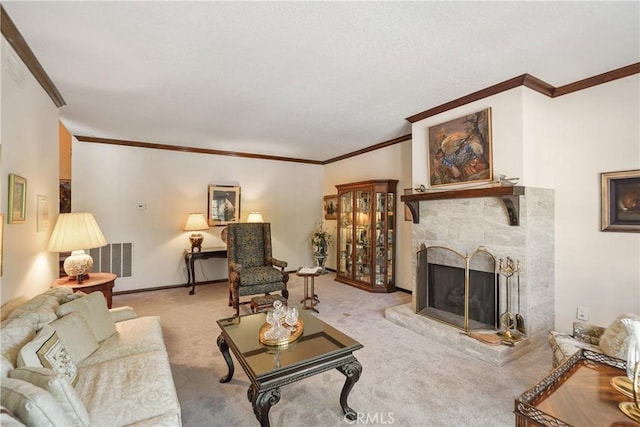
(75, 232)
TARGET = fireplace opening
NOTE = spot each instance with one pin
(456, 289)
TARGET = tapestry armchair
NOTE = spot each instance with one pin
(252, 268)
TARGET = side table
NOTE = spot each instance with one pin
(310, 299)
(102, 282)
(576, 393)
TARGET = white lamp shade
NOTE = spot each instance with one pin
(196, 222)
(74, 231)
(255, 217)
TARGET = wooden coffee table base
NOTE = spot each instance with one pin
(324, 348)
(263, 397)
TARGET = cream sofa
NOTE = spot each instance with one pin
(67, 360)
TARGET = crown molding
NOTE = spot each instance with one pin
(20, 46)
(533, 83)
(186, 149)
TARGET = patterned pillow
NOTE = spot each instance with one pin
(59, 388)
(32, 405)
(16, 332)
(47, 351)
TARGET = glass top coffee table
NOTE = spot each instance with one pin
(320, 348)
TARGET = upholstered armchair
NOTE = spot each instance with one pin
(252, 269)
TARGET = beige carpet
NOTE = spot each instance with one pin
(407, 379)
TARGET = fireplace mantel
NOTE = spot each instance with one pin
(510, 196)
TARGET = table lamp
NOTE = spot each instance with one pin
(74, 232)
(255, 217)
(196, 223)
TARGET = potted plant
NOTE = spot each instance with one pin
(320, 241)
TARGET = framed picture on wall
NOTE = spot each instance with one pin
(330, 207)
(620, 202)
(17, 199)
(460, 150)
(42, 219)
(223, 204)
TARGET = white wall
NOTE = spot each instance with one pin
(110, 181)
(29, 142)
(393, 162)
(596, 130)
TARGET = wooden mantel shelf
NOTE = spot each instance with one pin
(508, 194)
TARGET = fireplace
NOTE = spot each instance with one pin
(459, 290)
(464, 224)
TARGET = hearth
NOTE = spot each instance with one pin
(460, 290)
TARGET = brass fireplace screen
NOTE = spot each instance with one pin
(460, 290)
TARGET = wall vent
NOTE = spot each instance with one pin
(116, 258)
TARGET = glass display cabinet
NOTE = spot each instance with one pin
(367, 234)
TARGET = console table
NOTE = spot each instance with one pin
(205, 253)
(103, 282)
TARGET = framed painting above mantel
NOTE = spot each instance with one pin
(460, 150)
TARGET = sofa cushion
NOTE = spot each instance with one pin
(14, 334)
(39, 310)
(59, 388)
(93, 308)
(128, 390)
(32, 405)
(7, 419)
(133, 336)
(76, 336)
(47, 351)
(615, 340)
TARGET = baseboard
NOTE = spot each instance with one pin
(159, 288)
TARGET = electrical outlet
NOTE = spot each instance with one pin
(582, 313)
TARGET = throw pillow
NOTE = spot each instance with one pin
(16, 332)
(93, 308)
(59, 388)
(7, 419)
(76, 335)
(615, 340)
(39, 310)
(47, 351)
(72, 297)
(32, 405)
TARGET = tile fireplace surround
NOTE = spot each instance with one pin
(466, 224)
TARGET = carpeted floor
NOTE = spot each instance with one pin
(407, 379)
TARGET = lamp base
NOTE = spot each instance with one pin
(196, 240)
(78, 264)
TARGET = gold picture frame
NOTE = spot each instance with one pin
(330, 207)
(620, 201)
(223, 205)
(460, 150)
(17, 199)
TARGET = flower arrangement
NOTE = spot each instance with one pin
(320, 238)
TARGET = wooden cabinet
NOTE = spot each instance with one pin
(367, 234)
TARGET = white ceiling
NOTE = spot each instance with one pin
(310, 80)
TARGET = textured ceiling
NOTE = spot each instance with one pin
(310, 80)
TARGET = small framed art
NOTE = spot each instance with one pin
(331, 207)
(620, 193)
(223, 204)
(459, 150)
(17, 199)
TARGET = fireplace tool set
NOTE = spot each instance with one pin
(512, 325)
